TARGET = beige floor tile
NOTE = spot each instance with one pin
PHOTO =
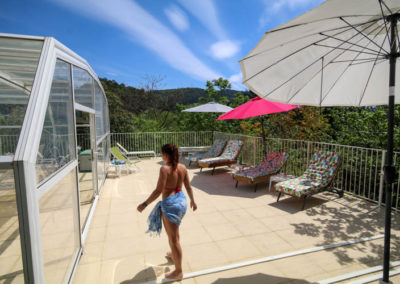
(299, 266)
(209, 219)
(92, 252)
(276, 223)
(252, 227)
(155, 243)
(130, 270)
(204, 208)
(238, 216)
(270, 244)
(99, 221)
(123, 248)
(259, 212)
(223, 231)
(88, 273)
(120, 231)
(191, 234)
(239, 249)
(298, 241)
(204, 256)
(96, 234)
(225, 205)
(331, 260)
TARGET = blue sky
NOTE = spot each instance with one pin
(186, 42)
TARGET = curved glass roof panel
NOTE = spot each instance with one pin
(57, 144)
(83, 87)
(19, 58)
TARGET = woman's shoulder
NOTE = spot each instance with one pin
(164, 168)
(181, 166)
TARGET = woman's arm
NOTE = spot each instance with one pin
(162, 180)
(189, 190)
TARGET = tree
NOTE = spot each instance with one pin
(212, 93)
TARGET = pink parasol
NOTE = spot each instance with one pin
(256, 107)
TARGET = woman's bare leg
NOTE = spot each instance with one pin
(173, 238)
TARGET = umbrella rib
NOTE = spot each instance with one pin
(347, 49)
(370, 60)
(317, 72)
(370, 74)
(384, 4)
(331, 30)
(348, 66)
(322, 80)
(335, 81)
(366, 85)
(359, 61)
(297, 51)
(398, 39)
(361, 32)
(319, 20)
(384, 18)
(348, 41)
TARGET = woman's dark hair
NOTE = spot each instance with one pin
(173, 154)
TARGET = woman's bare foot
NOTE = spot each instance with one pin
(174, 275)
(169, 256)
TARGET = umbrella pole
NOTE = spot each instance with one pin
(263, 136)
(389, 169)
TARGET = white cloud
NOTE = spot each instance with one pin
(236, 82)
(274, 7)
(224, 49)
(206, 12)
(177, 17)
(236, 78)
(145, 29)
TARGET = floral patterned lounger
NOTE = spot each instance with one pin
(272, 164)
(319, 176)
(228, 157)
(215, 151)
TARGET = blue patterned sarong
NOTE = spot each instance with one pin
(173, 207)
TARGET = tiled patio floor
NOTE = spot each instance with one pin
(230, 226)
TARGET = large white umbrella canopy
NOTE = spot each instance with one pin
(342, 53)
(333, 55)
(209, 107)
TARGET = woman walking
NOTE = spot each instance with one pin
(172, 208)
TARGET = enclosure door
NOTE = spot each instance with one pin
(87, 161)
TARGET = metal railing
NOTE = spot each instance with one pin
(360, 173)
(8, 143)
(146, 141)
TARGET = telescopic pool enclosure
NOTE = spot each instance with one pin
(49, 183)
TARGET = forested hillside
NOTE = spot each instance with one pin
(148, 109)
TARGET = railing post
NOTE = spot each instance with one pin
(381, 180)
(154, 141)
(308, 151)
(254, 150)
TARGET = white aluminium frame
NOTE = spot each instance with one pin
(24, 161)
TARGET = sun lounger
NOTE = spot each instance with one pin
(135, 153)
(271, 165)
(123, 160)
(319, 176)
(228, 157)
(215, 151)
